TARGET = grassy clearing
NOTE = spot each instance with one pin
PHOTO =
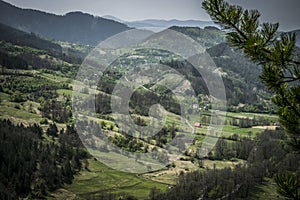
(230, 130)
(170, 175)
(220, 164)
(71, 93)
(8, 111)
(252, 115)
(20, 113)
(55, 78)
(100, 178)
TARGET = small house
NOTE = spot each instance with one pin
(195, 106)
(198, 125)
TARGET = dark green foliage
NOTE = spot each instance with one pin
(12, 62)
(240, 148)
(52, 130)
(70, 137)
(24, 57)
(288, 185)
(280, 60)
(59, 111)
(31, 86)
(207, 37)
(140, 102)
(165, 135)
(128, 143)
(31, 166)
(240, 85)
(277, 55)
(75, 27)
(103, 103)
(21, 38)
(265, 157)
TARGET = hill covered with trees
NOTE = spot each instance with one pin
(75, 27)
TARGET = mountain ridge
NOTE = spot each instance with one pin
(75, 27)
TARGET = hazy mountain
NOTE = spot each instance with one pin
(24, 39)
(156, 24)
(234, 60)
(174, 22)
(207, 37)
(241, 77)
(21, 38)
(75, 27)
(113, 18)
(298, 36)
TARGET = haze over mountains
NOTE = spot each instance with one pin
(78, 27)
(75, 27)
(157, 24)
(82, 28)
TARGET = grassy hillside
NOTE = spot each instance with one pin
(98, 178)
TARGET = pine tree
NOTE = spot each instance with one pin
(52, 130)
(289, 186)
(277, 56)
(280, 68)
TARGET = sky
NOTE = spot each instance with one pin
(286, 12)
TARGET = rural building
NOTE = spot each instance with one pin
(198, 125)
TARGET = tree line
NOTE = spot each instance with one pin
(30, 166)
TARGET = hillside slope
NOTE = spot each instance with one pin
(75, 27)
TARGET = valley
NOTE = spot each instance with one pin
(96, 108)
(41, 95)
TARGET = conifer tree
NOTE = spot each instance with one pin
(280, 61)
(277, 54)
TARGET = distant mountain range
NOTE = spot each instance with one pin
(240, 76)
(162, 24)
(82, 28)
(75, 27)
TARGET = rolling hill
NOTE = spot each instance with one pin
(75, 27)
(159, 24)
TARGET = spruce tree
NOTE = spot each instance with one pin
(276, 53)
(280, 61)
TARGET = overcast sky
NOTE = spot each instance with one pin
(284, 11)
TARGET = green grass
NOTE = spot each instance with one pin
(252, 115)
(55, 78)
(18, 115)
(220, 164)
(230, 130)
(71, 93)
(100, 178)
